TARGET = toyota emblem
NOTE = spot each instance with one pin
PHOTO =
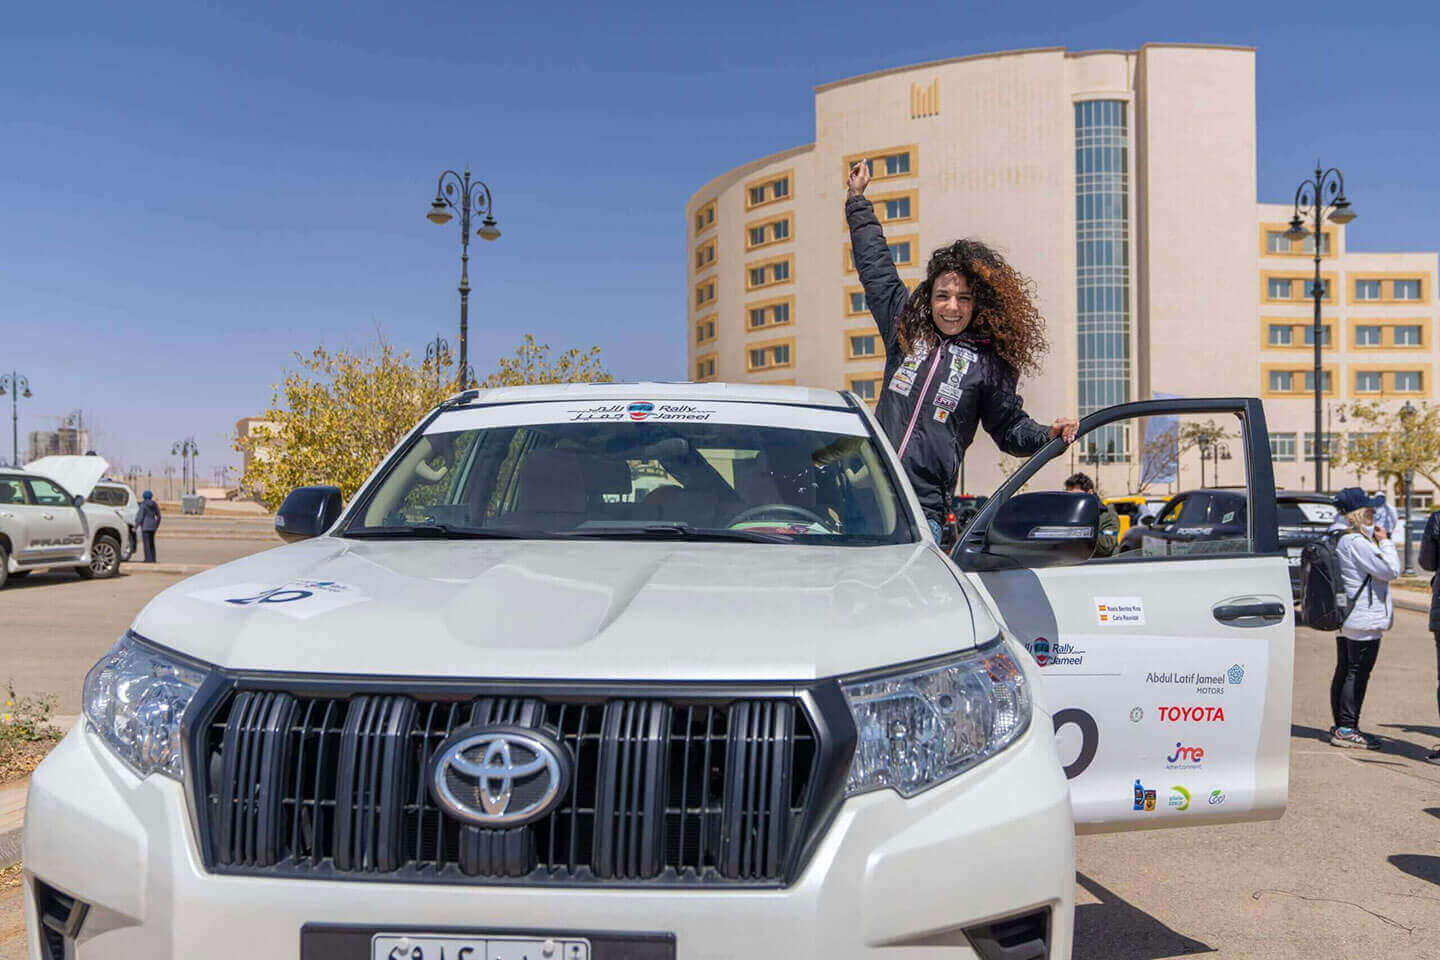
(499, 776)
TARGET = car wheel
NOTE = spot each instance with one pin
(129, 551)
(104, 559)
(4, 566)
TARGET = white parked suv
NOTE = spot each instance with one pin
(45, 525)
(499, 707)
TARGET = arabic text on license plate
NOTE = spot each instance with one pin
(388, 946)
(1293, 561)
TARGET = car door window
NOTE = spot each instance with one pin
(47, 494)
(12, 491)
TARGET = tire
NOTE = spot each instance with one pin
(129, 551)
(104, 559)
(4, 566)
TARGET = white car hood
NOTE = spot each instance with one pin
(571, 610)
(76, 474)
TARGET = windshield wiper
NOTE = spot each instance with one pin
(676, 530)
(441, 531)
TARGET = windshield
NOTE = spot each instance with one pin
(640, 470)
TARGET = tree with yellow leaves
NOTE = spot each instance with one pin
(333, 420)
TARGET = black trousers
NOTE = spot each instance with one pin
(147, 537)
(1437, 671)
(1354, 659)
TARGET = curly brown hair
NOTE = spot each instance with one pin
(1004, 305)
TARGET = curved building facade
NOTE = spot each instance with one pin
(1122, 182)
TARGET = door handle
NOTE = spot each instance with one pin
(48, 516)
(1249, 613)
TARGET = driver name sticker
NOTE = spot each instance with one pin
(1120, 611)
(640, 411)
(299, 599)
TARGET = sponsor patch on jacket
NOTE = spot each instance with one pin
(941, 414)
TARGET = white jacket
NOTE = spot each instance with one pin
(1373, 612)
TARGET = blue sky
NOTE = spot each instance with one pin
(191, 192)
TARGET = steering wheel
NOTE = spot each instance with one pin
(753, 513)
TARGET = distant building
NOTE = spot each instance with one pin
(249, 428)
(72, 438)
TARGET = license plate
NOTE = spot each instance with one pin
(1292, 555)
(1293, 561)
(388, 946)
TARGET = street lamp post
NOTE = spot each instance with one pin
(17, 386)
(434, 351)
(1317, 198)
(465, 196)
(1407, 416)
(187, 451)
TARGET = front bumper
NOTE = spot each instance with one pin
(889, 873)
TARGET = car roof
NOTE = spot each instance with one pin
(657, 390)
(1301, 496)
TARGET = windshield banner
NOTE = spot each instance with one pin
(777, 415)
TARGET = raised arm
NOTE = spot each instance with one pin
(885, 293)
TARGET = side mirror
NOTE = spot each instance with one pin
(1148, 520)
(308, 512)
(79, 500)
(1045, 529)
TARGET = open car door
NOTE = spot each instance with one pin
(1168, 671)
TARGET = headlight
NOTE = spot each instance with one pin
(136, 697)
(924, 725)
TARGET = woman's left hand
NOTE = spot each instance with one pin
(1064, 427)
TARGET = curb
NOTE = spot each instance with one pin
(185, 569)
(10, 847)
(1411, 600)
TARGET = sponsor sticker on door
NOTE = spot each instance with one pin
(1120, 611)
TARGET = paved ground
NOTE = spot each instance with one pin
(1351, 871)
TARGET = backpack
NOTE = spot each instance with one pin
(1323, 602)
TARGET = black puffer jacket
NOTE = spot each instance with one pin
(932, 400)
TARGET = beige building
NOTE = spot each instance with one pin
(1122, 182)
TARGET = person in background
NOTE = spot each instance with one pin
(1109, 519)
(1430, 560)
(1368, 563)
(1385, 514)
(148, 521)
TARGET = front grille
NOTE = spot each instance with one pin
(61, 917)
(690, 789)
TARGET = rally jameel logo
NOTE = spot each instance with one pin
(640, 409)
(1040, 650)
(1055, 654)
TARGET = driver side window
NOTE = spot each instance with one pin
(1197, 461)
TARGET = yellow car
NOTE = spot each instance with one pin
(1131, 509)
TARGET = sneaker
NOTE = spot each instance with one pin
(1433, 756)
(1349, 737)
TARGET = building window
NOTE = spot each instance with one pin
(1406, 289)
(861, 345)
(757, 236)
(857, 301)
(1276, 242)
(1310, 335)
(897, 209)
(897, 164)
(780, 230)
(773, 314)
(887, 164)
(770, 190)
(1310, 381)
(1281, 335)
(1102, 252)
(705, 255)
(705, 331)
(1407, 381)
(705, 217)
(1281, 381)
(1308, 245)
(1407, 335)
(704, 293)
(1332, 445)
(1282, 447)
(1324, 289)
(764, 233)
(866, 388)
(1277, 289)
(705, 368)
(900, 253)
(1367, 289)
(1367, 381)
(768, 356)
(1367, 335)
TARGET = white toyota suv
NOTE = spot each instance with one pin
(46, 525)
(658, 671)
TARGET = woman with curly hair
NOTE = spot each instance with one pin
(954, 348)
